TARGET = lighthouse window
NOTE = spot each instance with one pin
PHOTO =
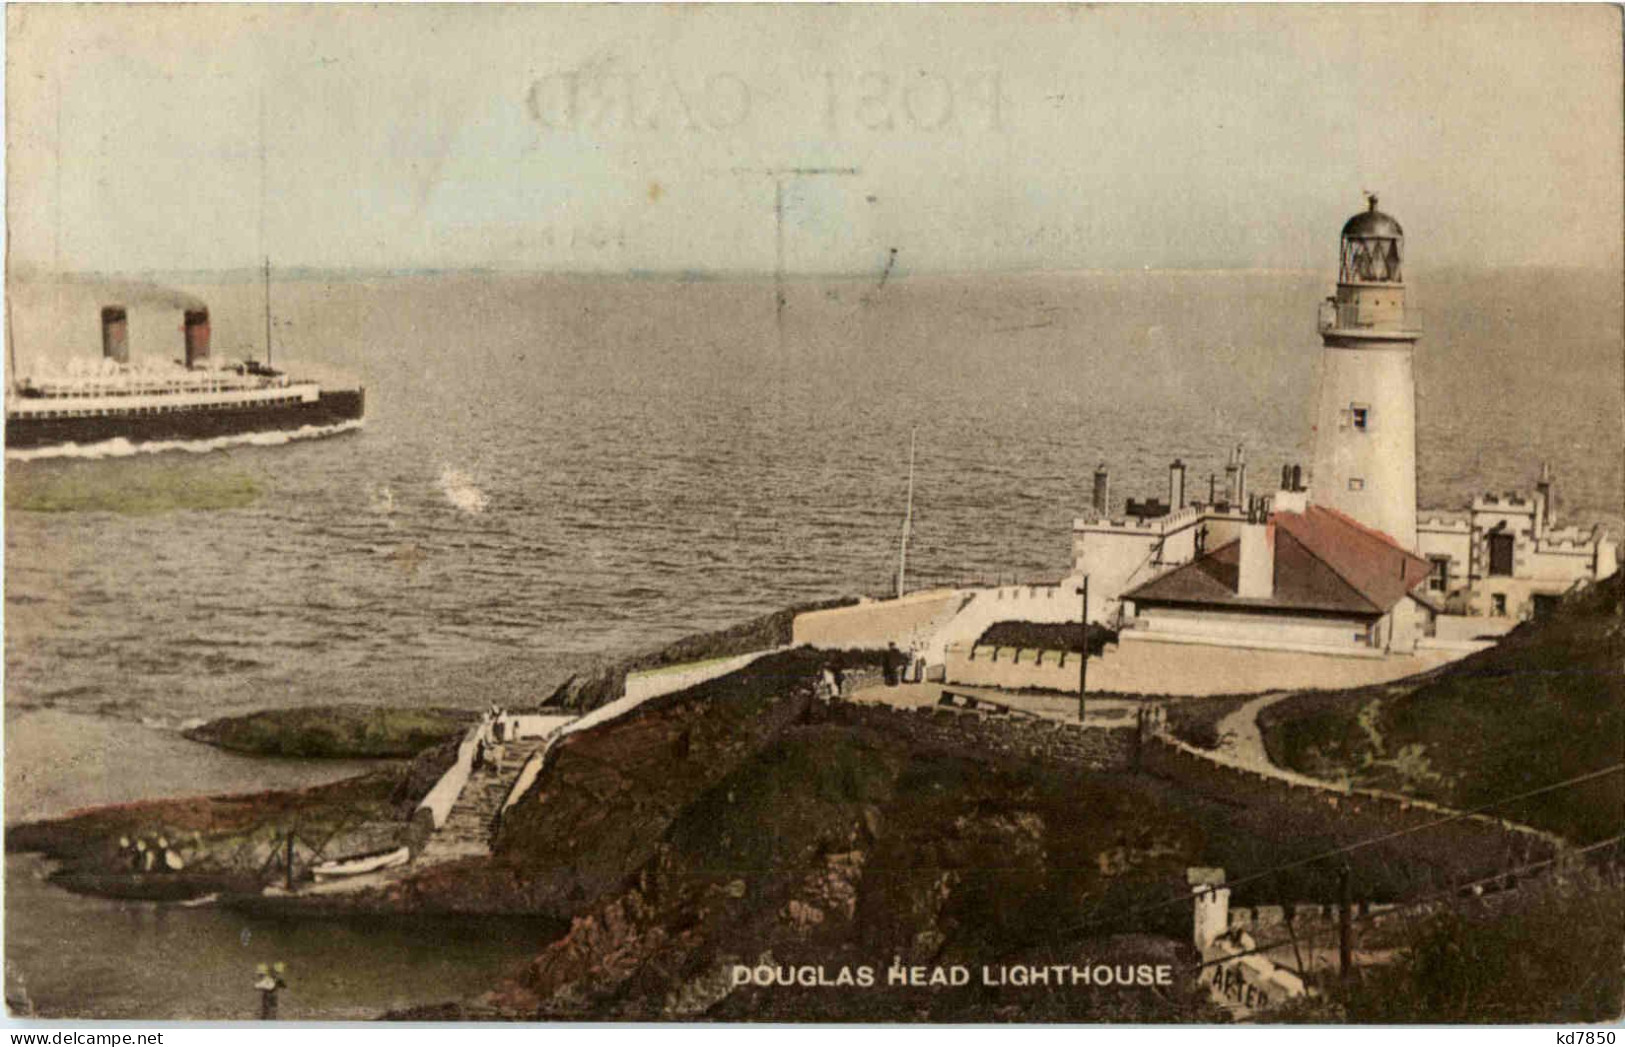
(1356, 483)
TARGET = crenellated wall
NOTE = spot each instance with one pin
(1119, 554)
(1159, 665)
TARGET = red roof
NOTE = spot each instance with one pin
(1324, 561)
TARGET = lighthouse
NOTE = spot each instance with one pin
(1365, 421)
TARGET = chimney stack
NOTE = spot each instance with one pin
(197, 337)
(1102, 496)
(115, 334)
(1255, 576)
(1176, 486)
(1543, 488)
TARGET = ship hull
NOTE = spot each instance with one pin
(328, 409)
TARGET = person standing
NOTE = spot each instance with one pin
(269, 983)
(888, 669)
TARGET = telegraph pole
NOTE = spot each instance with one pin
(1345, 925)
(779, 174)
(1083, 661)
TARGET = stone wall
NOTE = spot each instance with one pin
(1027, 738)
(1470, 845)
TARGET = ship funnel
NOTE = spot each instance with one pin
(197, 337)
(115, 334)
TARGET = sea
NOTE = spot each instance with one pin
(555, 468)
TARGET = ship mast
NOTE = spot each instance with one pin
(267, 312)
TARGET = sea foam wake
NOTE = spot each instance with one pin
(459, 489)
(122, 448)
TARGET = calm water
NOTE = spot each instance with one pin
(558, 466)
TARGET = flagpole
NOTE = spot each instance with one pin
(908, 515)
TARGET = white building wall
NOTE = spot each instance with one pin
(1368, 474)
(1118, 555)
(1263, 630)
(1450, 539)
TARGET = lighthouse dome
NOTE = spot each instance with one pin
(1372, 224)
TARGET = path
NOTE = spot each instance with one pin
(468, 828)
(466, 833)
(1239, 736)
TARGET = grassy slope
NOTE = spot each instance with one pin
(1196, 720)
(679, 845)
(1545, 954)
(840, 845)
(1545, 705)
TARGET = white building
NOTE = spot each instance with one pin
(1365, 422)
(1506, 557)
(1321, 568)
(1333, 584)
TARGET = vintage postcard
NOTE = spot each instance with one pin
(860, 514)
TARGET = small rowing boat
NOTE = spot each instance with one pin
(362, 864)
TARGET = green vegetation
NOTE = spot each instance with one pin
(1045, 636)
(84, 487)
(228, 842)
(1196, 720)
(340, 731)
(1545, 705)
(1547, 953)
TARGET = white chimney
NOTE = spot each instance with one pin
(1290, 501)
(1212, 905)
(1255, 579)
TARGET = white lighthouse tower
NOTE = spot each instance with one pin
(1365, 423)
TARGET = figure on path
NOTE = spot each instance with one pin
(269, 983)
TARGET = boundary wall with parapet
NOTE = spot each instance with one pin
(1013, 735)
(1193, 669)
(439, 800)
(668, 679)
(912, 619)
(1361, 813)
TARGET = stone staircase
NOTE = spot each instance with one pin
(468, 829)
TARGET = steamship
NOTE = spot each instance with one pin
(115, 399)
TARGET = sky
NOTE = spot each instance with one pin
(605, 139)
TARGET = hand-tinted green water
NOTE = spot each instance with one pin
(79, 957)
